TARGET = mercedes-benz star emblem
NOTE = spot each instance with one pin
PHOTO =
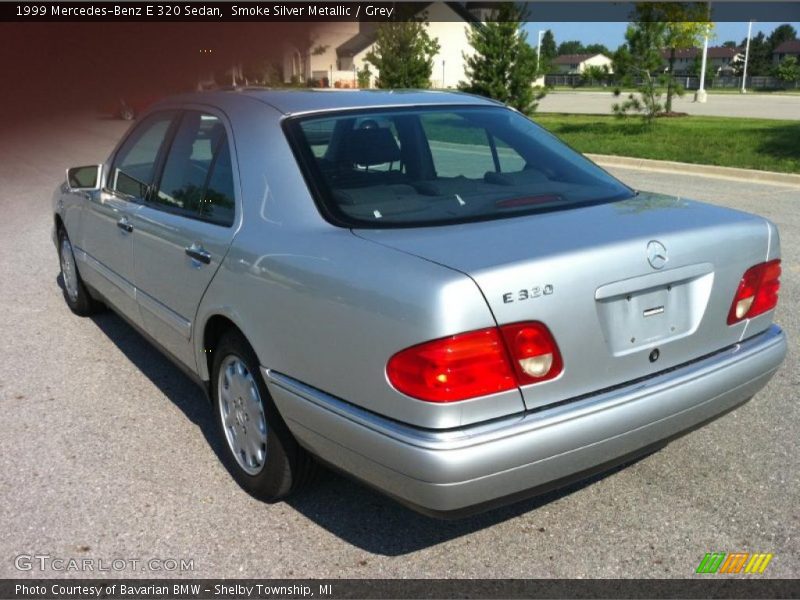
(656, 254)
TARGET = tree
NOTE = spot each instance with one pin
(503, 64)
(596, 49)
(621, 59)
(788, 71)
(403, 55)
(262, 72)
(782, 33)
(759, 59)
(364, 77)
(686, 24)
(548, 51)
(697, 66)
(595, 74)
(570, 47)
(637, 60)
(730, 44)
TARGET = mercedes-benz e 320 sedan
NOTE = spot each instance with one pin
(425, 290)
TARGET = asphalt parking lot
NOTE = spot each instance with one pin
(107, 450)
(757, 106)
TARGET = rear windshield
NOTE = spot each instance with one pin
(431, 166)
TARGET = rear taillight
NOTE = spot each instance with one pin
(476, 363)
(757, 292)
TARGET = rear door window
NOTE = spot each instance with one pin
(197, 180)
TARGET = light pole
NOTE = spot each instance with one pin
(700, 95)
(746, 56)
(444, 85)
(539, 50)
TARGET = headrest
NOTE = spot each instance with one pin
(371, 147)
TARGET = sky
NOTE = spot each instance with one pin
(613, 34)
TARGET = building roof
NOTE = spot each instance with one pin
(297, 101)
(364, 39)
(572, 59)
(713, 52)
(788, 47)
(357, 43)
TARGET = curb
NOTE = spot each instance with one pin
(668, 166)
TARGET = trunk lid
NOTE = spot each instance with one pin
(586, 273)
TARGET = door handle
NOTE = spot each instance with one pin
(125, 225)
(198, 253)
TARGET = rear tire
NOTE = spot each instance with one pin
(75, 293)
(258, 448)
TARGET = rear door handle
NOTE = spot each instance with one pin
(198, 253)
(125, 225)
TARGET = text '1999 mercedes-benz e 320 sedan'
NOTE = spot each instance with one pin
(425, 290)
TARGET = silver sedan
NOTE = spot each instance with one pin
(425, 290)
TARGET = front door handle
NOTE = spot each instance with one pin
(125, 225)
(198, 253)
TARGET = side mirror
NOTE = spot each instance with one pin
(84, 178)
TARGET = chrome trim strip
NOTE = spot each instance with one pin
(522, 423)
(120, 282)
(165, 314)
(652, 280)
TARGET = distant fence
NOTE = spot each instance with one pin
(335, 79)
(757, 82)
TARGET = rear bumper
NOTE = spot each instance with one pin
(453, 471)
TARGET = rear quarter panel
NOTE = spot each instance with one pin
(325, 307)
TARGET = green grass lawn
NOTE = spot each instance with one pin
(729, 142)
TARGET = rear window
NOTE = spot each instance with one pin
(431, 166)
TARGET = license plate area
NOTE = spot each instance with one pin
(653, 309)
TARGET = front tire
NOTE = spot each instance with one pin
(258, 448)
(75, 293)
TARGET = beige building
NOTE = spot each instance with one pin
(336, 51)
(575, 64)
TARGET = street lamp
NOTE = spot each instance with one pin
(539, 50)
(746, 56)
(700, 95)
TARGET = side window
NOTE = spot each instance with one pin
(197, 180)
(134, 165)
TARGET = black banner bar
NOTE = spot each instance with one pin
(299, 11)
(710, 586)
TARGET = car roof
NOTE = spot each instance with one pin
(298, 101)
